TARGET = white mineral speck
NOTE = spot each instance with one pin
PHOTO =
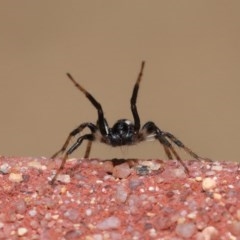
(192, 215)
(21, 231)
(88, 212)
(99, 181)
(35, 164)
(151, 188)
(93, 200)
(210, 173)
(5, 168)
(68, 194)
(55, 217)
(109, 223)
(1, 225)
(179, 172)
(217, 168)
(217, 196)
(64, 178)
(96, 236)
(104, 190)
(198, 178)
(142, 190)
(15, 177)
(208, 233)
(153, 164)
(208, 184)
(48, 216)
(152, 232)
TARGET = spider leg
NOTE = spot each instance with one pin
(181, 145)
(89, 137)
(137, 123)
(77, 130)
(102, 122)
(150, 131)
(179, 159)
(88, 149)
(168, 152)
(169, 148)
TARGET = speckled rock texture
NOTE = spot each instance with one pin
(131, 199)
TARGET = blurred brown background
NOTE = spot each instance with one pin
(190, 86)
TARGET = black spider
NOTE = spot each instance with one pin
(123, 132)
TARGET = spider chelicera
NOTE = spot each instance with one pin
(123, 132)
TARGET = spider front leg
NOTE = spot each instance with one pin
(89, 137)
(133, 100)
(101, 120)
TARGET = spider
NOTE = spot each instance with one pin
(123, 132)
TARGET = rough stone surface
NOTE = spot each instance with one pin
(88, 202)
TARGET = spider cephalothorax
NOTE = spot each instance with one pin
(123, 132)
